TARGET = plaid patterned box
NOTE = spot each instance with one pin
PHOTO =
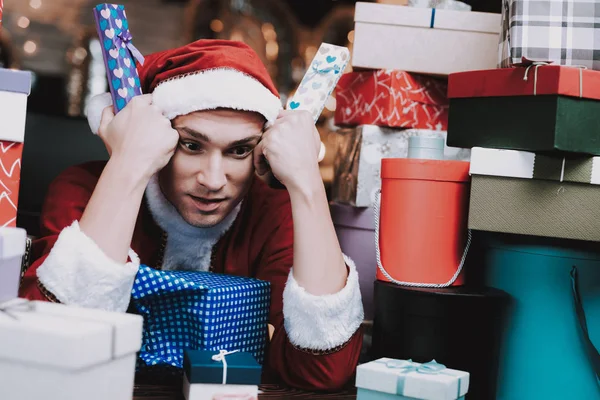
(200, 311)
(566, 32)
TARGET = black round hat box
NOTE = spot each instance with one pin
(458, 327)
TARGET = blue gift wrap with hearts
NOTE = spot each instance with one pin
(387, 378)
(120, 55)
(199, 311)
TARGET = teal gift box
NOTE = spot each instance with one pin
(205, 366)
(364, 394)
(543, 353)
(388, 378)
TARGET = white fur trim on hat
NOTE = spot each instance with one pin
(215, 88)
(204, 90)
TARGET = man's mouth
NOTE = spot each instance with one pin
(207, 204)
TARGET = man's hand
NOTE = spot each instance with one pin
(139, 136)
(291, 148)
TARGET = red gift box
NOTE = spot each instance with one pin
(10, 176)
(536, 80)
(392, 98)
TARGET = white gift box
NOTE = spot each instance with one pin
(424, 40)
(357, 166)
(215, 391)
(57, 352)
(429, 381)
(15, 87)
(12, 249)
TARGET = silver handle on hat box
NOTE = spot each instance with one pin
(376, 211)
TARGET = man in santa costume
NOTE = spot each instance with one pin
(180, 192)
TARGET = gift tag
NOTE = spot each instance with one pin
(321, 78)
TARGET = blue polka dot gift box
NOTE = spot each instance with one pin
(120, 55)
(200, 311)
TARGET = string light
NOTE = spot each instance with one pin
(351, 36)
(272, 50)
(35, 4)
(30, 47)
(216, 25)
(23, 22)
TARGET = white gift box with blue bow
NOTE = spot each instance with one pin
(388, 378)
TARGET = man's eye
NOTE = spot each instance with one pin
(191, 146)
(241, 152)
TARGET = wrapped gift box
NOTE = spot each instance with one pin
(120, 55)
(355, 230)
(562, 31)
(200, 311)
(542, 108)
(428, 381)
(14, 89)
(459, 326)
(392, 99)
(427, 41)
(207, 376)
(542, 330)
(357, 164)
(533, 194)
(53, 351)
(320, 80)
(200, 366)
(12, 249)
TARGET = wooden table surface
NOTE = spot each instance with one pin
(158, 392)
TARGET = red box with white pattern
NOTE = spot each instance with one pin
(10, 177)
(14, 90)
(392, 98)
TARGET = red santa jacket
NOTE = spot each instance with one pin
(259, 244)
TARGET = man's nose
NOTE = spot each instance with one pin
(212, 176)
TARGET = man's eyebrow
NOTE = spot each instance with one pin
(193, 133)
(244, 141)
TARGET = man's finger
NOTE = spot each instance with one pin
(105, 119)
(144, 99)
(260, 162)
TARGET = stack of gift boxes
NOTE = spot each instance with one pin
(66, 352)
(400, 201)
(533, 127)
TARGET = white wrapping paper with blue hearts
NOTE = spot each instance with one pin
(322, 76)
(428, 381)
(200, 311)
(120, 55)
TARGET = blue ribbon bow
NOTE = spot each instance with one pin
(408, 366)
(323, 71)
(125, 38)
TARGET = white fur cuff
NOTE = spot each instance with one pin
(322, 322)
(78, 273)
(94, 110)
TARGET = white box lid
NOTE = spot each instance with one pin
(65, 337)
(389, 14)
(12, 243)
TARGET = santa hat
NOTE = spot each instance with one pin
(203, 75)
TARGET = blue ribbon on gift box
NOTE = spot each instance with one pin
(432, 23)
(408, 366)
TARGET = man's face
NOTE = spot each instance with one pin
(212, 168)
